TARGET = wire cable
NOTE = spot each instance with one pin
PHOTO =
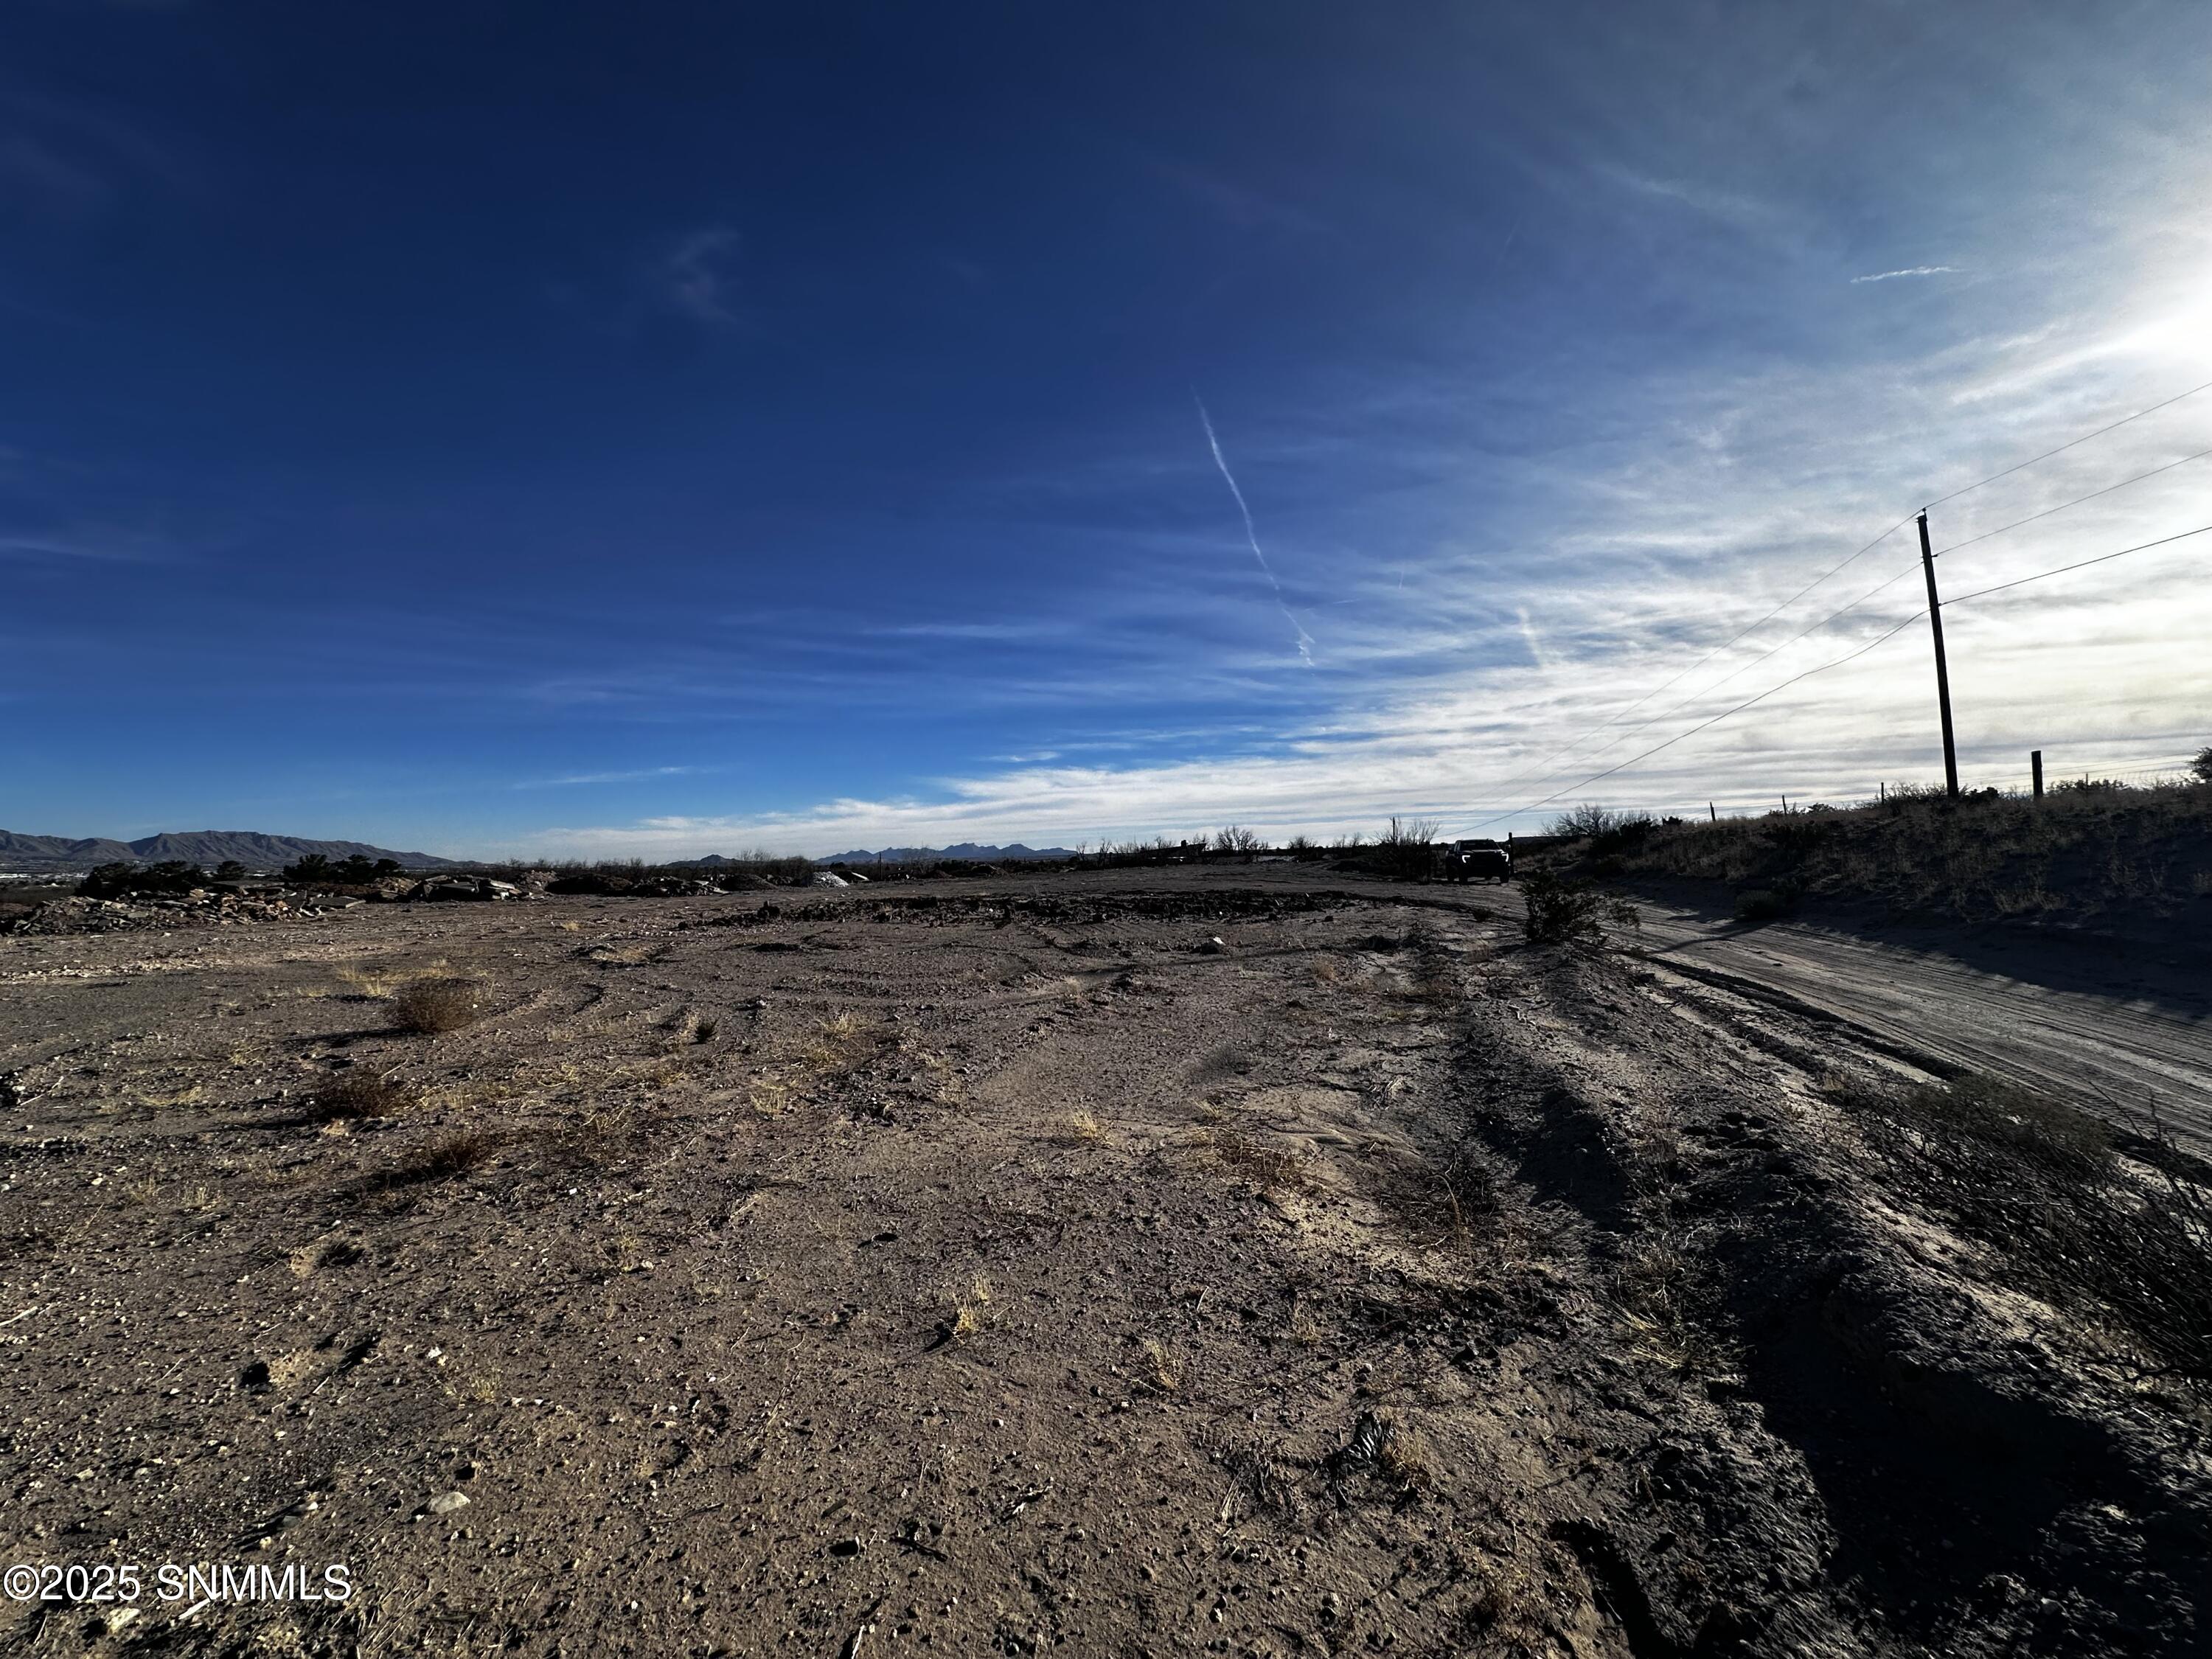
(1853, 656)
(2077, 501)
(2079, 564)
(1716, 719)
(2070, 443)
(1551, 761)
(1746, 668)
(1755, 627)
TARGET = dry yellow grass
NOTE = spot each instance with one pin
(1163, 1371)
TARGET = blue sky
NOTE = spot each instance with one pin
(535, 430)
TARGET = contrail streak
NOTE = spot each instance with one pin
(1251, 536)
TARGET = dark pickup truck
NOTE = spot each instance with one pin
(1477, 860)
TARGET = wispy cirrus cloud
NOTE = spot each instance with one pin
(104, 547)
(694, 279)
(1909, 271)
(644, 774)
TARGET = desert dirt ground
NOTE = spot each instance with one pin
(1233, 1261)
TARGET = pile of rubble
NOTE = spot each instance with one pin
(593, 881)
(200, 907)
(471, 888)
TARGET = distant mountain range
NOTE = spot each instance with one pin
(967, 849)
(205, 848)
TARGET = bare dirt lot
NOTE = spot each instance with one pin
(1227, 1260)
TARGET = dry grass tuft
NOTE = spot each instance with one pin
(1404, 1457)
(704, 1031)
(1082, 1125)
(439, 1003)
(1163, 1371)
(356, 1094)
(1270, 1169)
(842, 1044)
(1385, 1446)
(971, 1313)
(450, 1155)
(368, 981)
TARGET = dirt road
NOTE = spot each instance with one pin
(2122, 1049)
(2117, 1033)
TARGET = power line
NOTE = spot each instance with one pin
(1833, 614)
(1746, 668)
(1716, 719)
(1551, 761)
(2082, 564)
(1754, 629)
(2077, 501)
(2069, 444)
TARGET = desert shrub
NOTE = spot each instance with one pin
(1629, 831)
(2039, 1183)
(115, 880)
(1560, 911)
(353, 871)
(589, 881)
(437, 1003)
(1585, 822)
(1765, 904)
(1408, 848)
(356, 1094)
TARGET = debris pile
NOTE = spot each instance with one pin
(596, 882)
(198, 907)
(481, 889)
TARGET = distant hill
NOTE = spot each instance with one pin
(205, 848)
(967, 849)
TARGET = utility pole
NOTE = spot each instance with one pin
(2035, 760)
(1943, 671)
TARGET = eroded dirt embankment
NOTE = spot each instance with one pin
(1142, 1267)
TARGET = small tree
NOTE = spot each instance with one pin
(1235, 838)
(2202, 766)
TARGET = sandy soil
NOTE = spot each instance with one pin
(1231, 1261)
